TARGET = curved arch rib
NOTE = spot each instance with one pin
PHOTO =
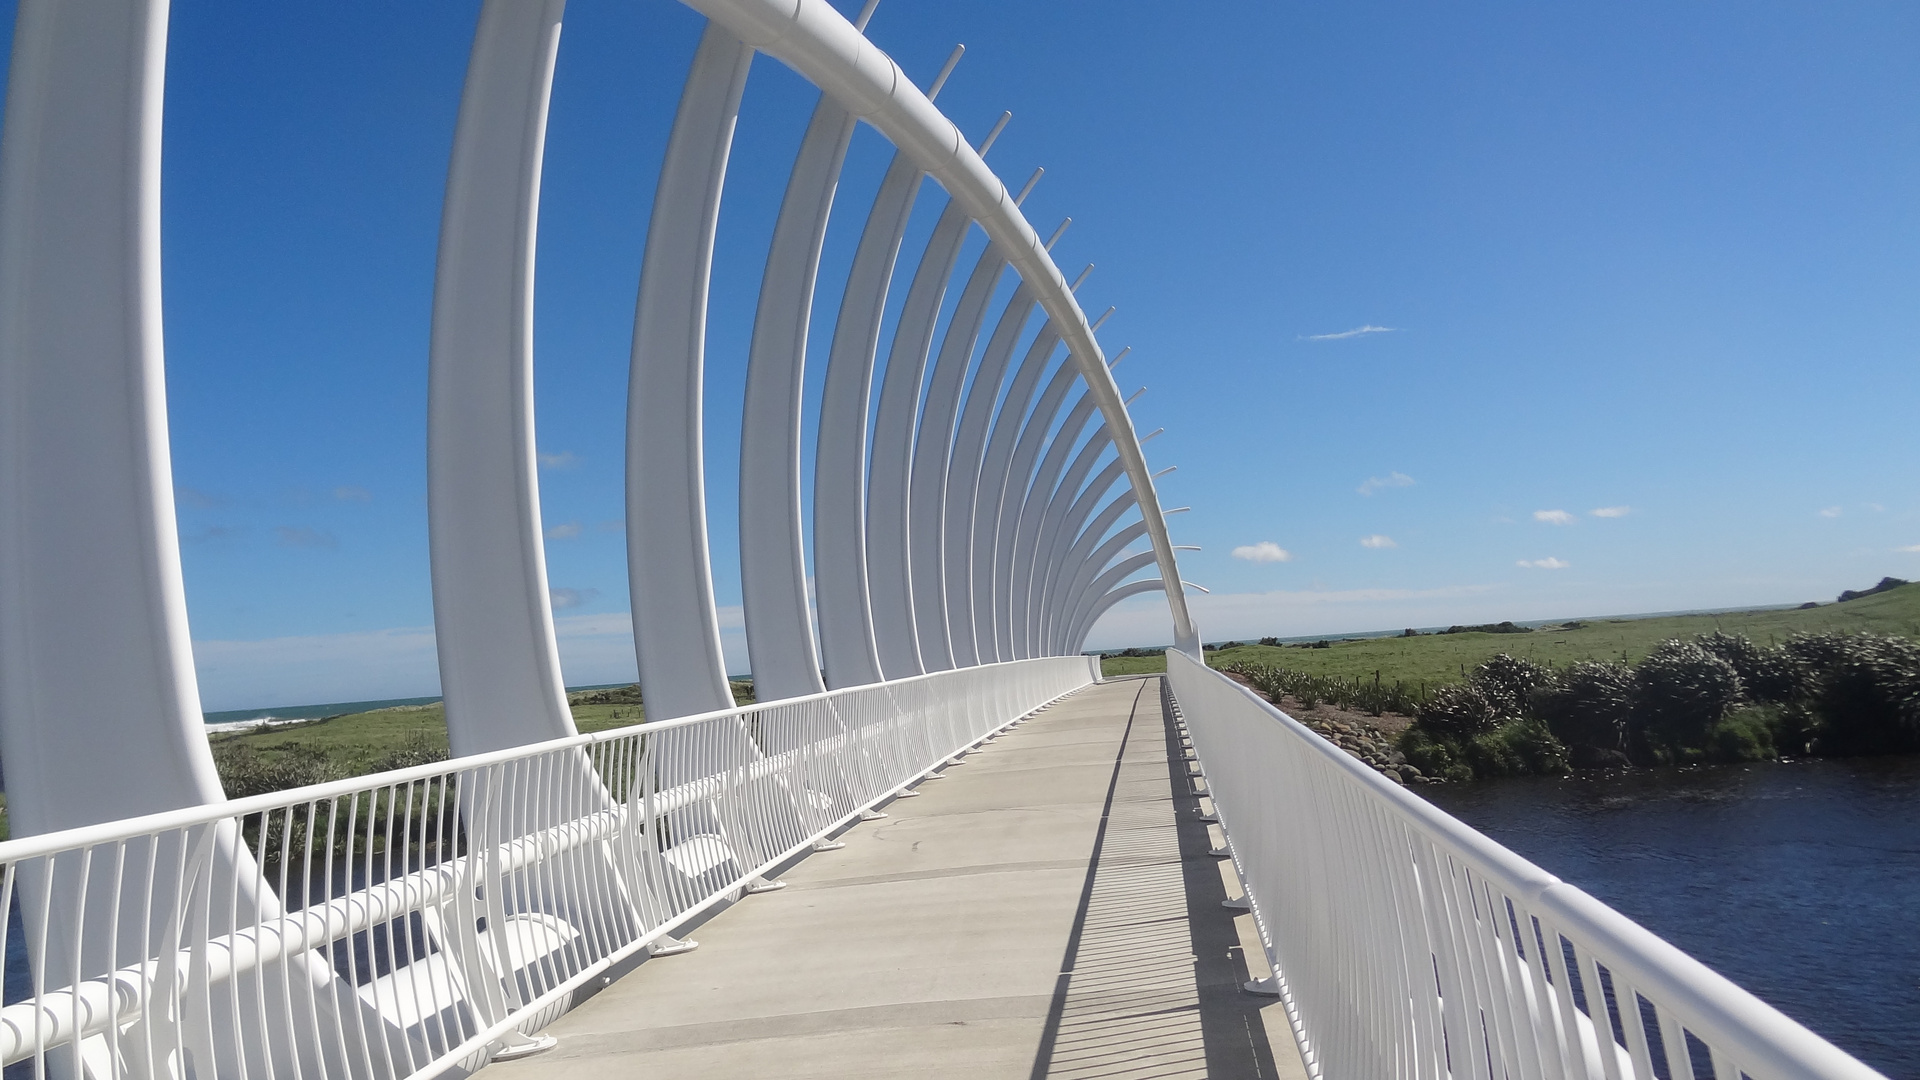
(1039, 515)
(848, 649)
(493, 619)
(1100, 606)
(932, 452)
(817, 41)
(676, 630)
(773, 561)
(965, 617)
(93, 612)
(1059, 551)
(1011, 572)
(1077, 613)
(996, 475)
(889, 569)
(1105, 554)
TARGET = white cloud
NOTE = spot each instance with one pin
(1911, 549)
(1612, 511)
(1875, 507)
(1264, 551)
(564, 531)
(299, 536)
(1355, 332)
(1830, 512)
(1376, 541)
(569, 598)
(1553, 517)
(1391, 480)
(1548, 563)
(565, 459)
(352, 493)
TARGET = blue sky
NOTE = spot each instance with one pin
(1415, 289)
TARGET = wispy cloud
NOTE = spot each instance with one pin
(1830, 512)
(1875, 507)
(216, 532)
(1391, 480)
(1357, 331)
(1548, 563)
(1264, 551)
(1376, 541)
(352, 493)
(1553, 517)
(564, 531)
(299, 536)
(1912, 549)
(1611, 511)
(196, 498)
(565, 459)
(571, 598)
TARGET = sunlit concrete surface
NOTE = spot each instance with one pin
(1047, 909)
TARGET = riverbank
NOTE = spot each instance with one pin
(1436, 658)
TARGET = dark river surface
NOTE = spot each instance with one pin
(1799, 881)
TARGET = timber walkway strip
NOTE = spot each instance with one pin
(1046, 910)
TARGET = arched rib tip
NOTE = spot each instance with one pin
(993, 136)
(1135, 397)
(1165, 471)
(866, 15)
(1102, 320)
(1027, 188)
(946, 70)
(1175, 510)
(1119, 356)
(1144, 439)
(1191, 585)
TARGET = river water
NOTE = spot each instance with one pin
(1799, 881)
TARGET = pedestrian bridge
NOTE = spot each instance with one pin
(938, 842)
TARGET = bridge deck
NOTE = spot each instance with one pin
(1048, 909)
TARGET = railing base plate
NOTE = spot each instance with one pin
(516, 1045)
(1268, 987)
(671, 946)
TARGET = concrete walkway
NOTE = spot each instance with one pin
(1048, 909)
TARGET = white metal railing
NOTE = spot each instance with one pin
(403, 924)
(1406, 944)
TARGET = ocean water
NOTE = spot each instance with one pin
(1799, 881)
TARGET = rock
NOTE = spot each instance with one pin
(1398, 758)
(1395, 777)
(1409, 773)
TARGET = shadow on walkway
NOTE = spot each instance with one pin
(1150, 982)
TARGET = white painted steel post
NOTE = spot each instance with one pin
(996, 476)
(848, 649)
(676, 630)
(773, 561)
(889, 547)
(493, 620)
(932, 450)
(94, 648)
(967, 620)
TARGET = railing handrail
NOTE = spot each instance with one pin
(1713, 1008)
(27, 847)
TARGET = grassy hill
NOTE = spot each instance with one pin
(1437, 658)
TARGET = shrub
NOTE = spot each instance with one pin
(245, 771)
(1590, 704)
(1863, 691)
(1680, 692)
(1768, 675)
(1435, 756)
(1269, 641)
(1745, 734)
(1508, 682)
(423, 750)
(1458, 711)
(1518, 748)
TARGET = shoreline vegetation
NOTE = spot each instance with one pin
(1828, 680)
(1366, 694)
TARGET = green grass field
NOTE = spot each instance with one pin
(1438, 658)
